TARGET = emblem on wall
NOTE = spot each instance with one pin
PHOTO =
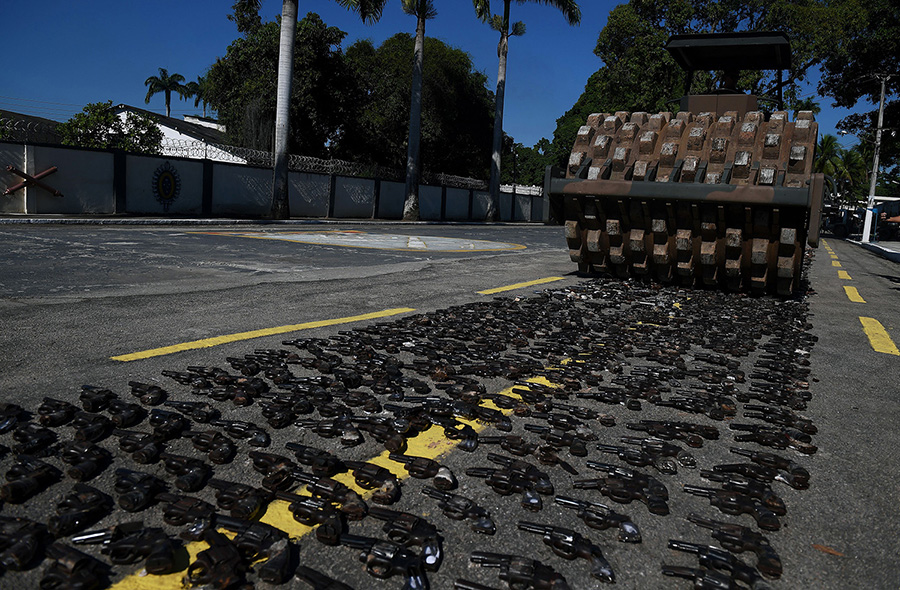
(166, 185)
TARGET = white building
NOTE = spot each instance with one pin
(194, 137)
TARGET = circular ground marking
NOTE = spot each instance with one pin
(358, 239)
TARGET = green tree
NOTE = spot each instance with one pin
(456, 115)
(98, 126)
(637, 74)
(242, 88)
(167, 84)
(526, 164)
(499, 23)
(852, 71)
(245, 14)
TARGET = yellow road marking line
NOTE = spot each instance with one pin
(843, 274)
(834, 256)
(520, 285)
(215, 341)
(878, 336)
(853, 295)
(835, 263)
(432, 443)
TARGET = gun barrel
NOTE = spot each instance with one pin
(357, 541)
(461, 584)
(435, 493)
(570, 502)
(92, 537)
(588, 484)
(609, 448)
(481, 472)
(684, 546)
(304, 477)
(713, 475)
(488, 559)
(533, 527)
(383, 513)
(678, 571)
(601, 466)
(501, 459)
(705, 522)
(700, 491)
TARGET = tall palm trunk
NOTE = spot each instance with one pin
(493, 212)
(280, 202)
(411, 205)
(168, 103)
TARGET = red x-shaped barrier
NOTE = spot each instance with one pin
(32, 180)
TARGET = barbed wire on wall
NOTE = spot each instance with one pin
(25, 131)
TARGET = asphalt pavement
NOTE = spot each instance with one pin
(76, 297)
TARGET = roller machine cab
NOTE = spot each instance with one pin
(719, 194)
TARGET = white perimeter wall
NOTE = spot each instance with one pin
(87, 179)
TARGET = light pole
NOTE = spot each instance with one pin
(870, 205)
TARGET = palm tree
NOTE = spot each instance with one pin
(807, 104)
(828, 154)
(854, 172)
(369, 11)
(166, 84)
(423, 10)
(197, 90)
(572, 13)
(280, 197)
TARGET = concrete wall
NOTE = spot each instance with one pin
(102, 182)
(84, 177)
(390, 202)
(309, 194)
(241, 190)
(457, 208)
(430, 202)
(150, 192)
(354, 198)
(11, 154)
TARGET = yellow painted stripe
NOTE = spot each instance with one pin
(835, 263)
(834, 256)
(520, 285)
(878, 336)
(843, 274)
(432, 444)
(853, 295)
(825, 243)
(208, 342)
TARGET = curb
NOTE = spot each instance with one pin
(886, 253)
(251, 222)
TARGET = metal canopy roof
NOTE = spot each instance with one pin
(722, 51)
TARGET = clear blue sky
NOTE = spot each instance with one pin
(62, 54)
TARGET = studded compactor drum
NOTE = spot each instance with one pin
(720, 193)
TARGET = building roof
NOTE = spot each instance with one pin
(198, 132)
